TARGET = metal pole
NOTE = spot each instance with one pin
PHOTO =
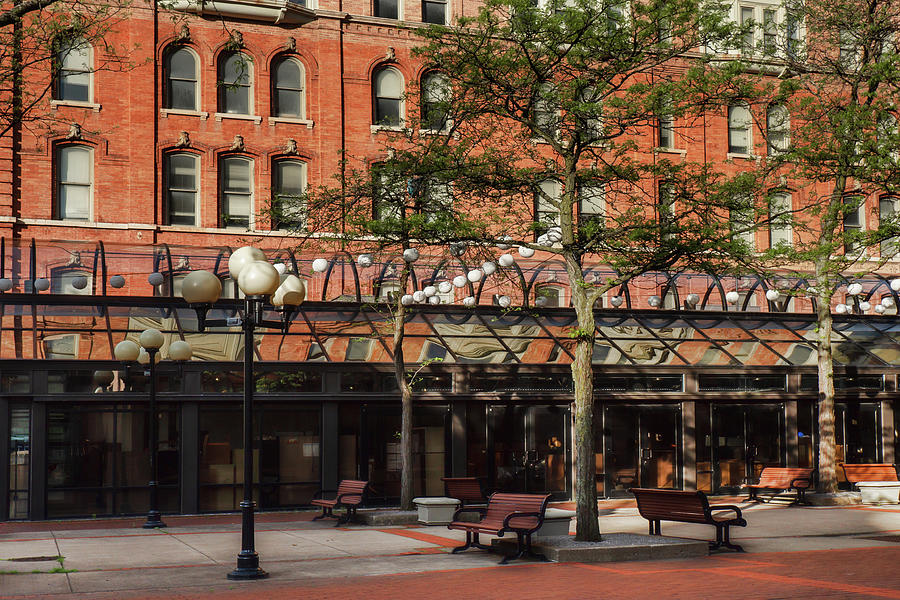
(248, 559)
(153, 518)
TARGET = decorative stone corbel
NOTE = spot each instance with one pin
(237, 39)
(290, 147)
(238, 144)
(389, 55)
(184, 140)
(184, 35)
(291, 44)
(74, 132)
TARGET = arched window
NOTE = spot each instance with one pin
(288, 94)
(181, 79)
(388, 100)
(182, 188)
(236, 185)
(778, 129)
(74, 182)
(739, 121)
(435, 96)
(235, 75)
(888, 214)
(288, 202)
(76, 63)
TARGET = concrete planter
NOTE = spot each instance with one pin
(879, 492)
(436, 511)
(556, 522)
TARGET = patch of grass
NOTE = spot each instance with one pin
(9, 572)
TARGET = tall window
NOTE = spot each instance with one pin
(235, 72)
(434, 11)
(544, 111)
(854, 220)
(181, 79)
(74, 175)
(793, 33)
(665, 209)
(546, 201)
(434, 198)
(435, 96)
(778, 129)
(388, 99)
(770, 31)
(288, 97)
(889, 209)
(780, 232)
(76, 62)
(181, 188)
(390, 194)
(588, 115)
(71, 282)
(236, 181)
(742, 220)
(848, 56)
(748, 41)
(665, 125)
(288, 187)
(387, 9)
(591, 205)
(739, 121)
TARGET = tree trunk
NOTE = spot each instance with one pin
(827, 467)
(406, 398)
(587, 525)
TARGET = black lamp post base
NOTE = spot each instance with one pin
(153, 521)
(247, 568)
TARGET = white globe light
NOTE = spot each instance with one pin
(319, 265)
(258, 279)
(280, 267)
(554, 235)
(474, 275)
(103, 378)
(543, 240)
(291, 292)
(488, 267)
(144, 357)
(864, 306)
(692, 299)
(854, 289)
(457, 249)
(732, 297)
(126, 350)
(654, 301)
(410, 255)
(242, 257)
(80, 282)
(151, 339)
(811, 291)
(200, 287)
(895, 285)
(773, 295)
(507, 260)
(445, 286)
(540, 301)
(430, 291)
(365, 260)
(503, 243)
(880, 309)
(419, 296)
(526, 252)
(155, 279)
(469, 301)
(504, 301)
(434, 300)
(840, 309)
(616, 301)
(406, 299)
(116, 281)
(459, 281)
(180, 350)
(887, 302)
(6, 284)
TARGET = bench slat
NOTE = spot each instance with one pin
(870, 472)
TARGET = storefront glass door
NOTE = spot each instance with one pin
(530, 445)
(642, 447)
(747, 438)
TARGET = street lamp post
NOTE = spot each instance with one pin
(151, 341)
(257, 279)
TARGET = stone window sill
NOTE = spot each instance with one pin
(165, 112)
(255, 118)
(291, 121)
(55, 104)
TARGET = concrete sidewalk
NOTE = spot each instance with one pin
(194, 554)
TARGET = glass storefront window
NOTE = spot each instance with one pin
(19, 461)
(640, 383)
(289, 381)
(809, 382)
(741, 383)
(15, 383)
(519, 382)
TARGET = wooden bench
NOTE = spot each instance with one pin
(465, 489)
(869, 472)
(522, 514)
(687, 507)
(349, 496)
(783, 479)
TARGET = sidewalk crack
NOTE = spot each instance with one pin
(201, 552)
(59, 553)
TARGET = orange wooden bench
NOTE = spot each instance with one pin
(783, 479)
(465, 489)
(869, 472)
(522, 514)
(349, 496)
(657, 505)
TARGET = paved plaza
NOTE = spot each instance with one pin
(792, 552)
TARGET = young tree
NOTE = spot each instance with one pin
(829, 160)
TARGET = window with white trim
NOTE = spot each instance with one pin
(742, 220)
(288, 200)
(849, 49)
(739, 133)
(665, 125)
(76, 65)
(236, 181)
(546, 202)
(64, 282)
(181, 79)
(387, 9)
(388, 97)
(888, 211)
(434, 11)
(592, 204)
(854, 219)
(780, 212)
(778, 129)
(74, 176)
(288, 93)
(544, 112)
(435, 96)
(182, 188)
(235, 75)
